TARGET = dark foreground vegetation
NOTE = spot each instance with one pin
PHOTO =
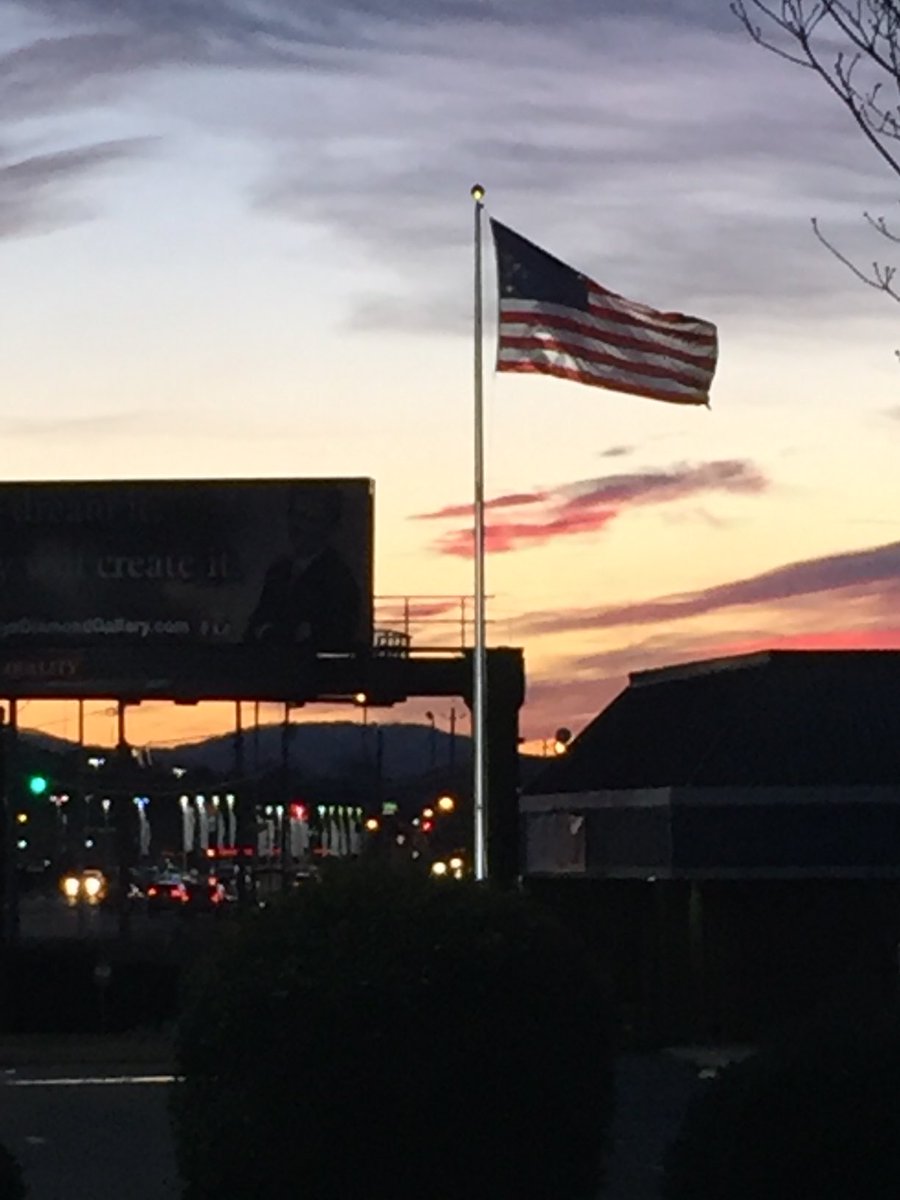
(385, 1034)
(815, 1113)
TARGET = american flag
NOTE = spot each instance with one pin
(556, 321)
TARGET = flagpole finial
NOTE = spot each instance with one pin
(477, 193)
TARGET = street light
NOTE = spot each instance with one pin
(562, 737)
(446, 804)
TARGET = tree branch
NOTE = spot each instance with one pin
(882, 278)
(881, 226)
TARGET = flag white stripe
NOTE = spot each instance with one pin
(626, 355)
(598, 371)
(662, 341)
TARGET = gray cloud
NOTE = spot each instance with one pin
(670, 184)
(34, 190)
(648, 142)
(873, 576)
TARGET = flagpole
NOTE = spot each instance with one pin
(479, 685)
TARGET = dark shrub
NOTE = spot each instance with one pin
(814, 1115)
(387, 1035)
(12, 1186)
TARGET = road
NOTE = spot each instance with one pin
(49, 918)
(102, 1129)
(88, 1139)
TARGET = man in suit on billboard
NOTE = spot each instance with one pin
(310, 596)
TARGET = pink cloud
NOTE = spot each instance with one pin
(389, 609)
(589, 505)
(513, 500)
(515, 535)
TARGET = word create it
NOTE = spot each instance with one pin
(183, 567)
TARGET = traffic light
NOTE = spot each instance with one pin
(38, 784)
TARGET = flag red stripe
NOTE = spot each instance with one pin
(526, 366)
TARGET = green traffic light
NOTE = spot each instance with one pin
(37, 785)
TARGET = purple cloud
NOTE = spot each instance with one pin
(851, 572)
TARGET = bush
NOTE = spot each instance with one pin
(12, 1186)
(383, 1034)
(813, 1115)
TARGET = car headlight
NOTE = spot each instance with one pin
(70, 886)
(92, 886)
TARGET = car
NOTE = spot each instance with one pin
(187, 895)
(166, 894)
(89, 886)
(207, 895)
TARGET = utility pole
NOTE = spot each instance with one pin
(432, 740)
(452, 750)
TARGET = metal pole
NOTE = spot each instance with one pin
(285, 828)
(79, 780)
(122, 741)
(10, 750)
(124, 819)
(243, 823)
(479, 688)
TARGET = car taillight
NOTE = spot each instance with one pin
(152, 891)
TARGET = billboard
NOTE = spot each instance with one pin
(192, 563)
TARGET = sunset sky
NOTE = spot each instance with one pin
(237, 241)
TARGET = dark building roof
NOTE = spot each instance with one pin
(781, 717)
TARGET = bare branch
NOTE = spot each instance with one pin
(880, 225)
(881, 278)
(738, 7)
(802, 32)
